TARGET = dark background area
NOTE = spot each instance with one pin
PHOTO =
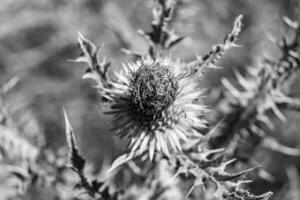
(38, 37)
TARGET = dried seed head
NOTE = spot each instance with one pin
(153, 89)
(154, 106)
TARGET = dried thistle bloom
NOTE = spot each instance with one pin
(155, 107)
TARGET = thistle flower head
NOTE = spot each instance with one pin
(153, 89)
(155, 106)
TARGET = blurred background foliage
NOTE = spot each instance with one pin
(38, 37)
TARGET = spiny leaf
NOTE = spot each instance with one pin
(160, 35)
(120, 161)
(97, 67)
(76, 161)
(183, 164)
(213, 162)
(223, 176)
(246, 195)
(206, 138)
(197, 182)
(217, 51)
(88, 50)
(200, 178)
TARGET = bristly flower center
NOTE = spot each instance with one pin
(153, 89)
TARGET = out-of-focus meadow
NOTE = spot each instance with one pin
(38, 37)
